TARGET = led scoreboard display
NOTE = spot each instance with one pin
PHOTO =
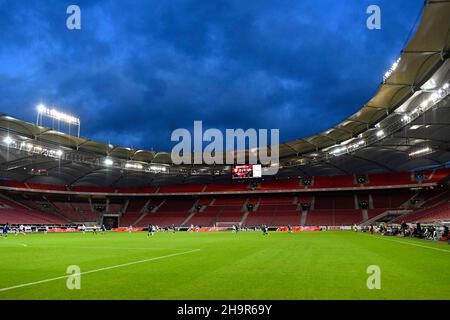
(246, 171)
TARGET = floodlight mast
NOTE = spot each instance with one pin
(44, 112)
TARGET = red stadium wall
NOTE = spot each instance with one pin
(326, 201)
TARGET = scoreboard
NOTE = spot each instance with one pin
(246, 171)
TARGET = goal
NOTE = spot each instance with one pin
(227, 224)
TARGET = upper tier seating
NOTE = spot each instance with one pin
(334, 182)
(285, 184)
(182, 188)
(276, 200)
(229, 201)
(318, 182)
(390, 179)
(224, 187)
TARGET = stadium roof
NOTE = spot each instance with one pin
(422, 71)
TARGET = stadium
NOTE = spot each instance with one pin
(372, 190)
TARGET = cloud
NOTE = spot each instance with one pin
(138, 70)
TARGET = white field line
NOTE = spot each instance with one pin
(414, 244)
(117, 248)
(13, 245)
(96, 270)
(9, 245)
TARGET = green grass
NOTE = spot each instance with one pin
(307, 265)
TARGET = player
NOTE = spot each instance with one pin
(264, 230)
(103, 229)
(83, 228)
(150, 230)
(173, 228)
(5, 230)
(234, 228)
(289, 229)
(94, 229)
(20, 230)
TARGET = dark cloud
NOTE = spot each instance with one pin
(139, 69)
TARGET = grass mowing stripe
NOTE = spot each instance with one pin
(97, 270)
(414, 244)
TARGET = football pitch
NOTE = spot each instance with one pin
(222, 265)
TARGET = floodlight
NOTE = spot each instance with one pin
(44, 112)
(422, 151)
(133, 166)
(41, 108)
(8, 140)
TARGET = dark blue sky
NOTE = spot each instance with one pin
(139, 69)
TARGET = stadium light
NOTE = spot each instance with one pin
(157, 168)
(434, 97)
(43, 111)
(391, 69)
(422, 151)
(59, 153)
(108, 162)
(137, 166)
(8, 140)
(41, 108)
(380, 133)
(405, 118)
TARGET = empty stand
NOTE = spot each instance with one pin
(14, 213)
(334, 201)
(391, 199)
(166, 219)
(77, 211)
(166, 212)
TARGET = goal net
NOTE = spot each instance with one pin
(227, 224)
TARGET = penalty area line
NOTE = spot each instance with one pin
(97, 270)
